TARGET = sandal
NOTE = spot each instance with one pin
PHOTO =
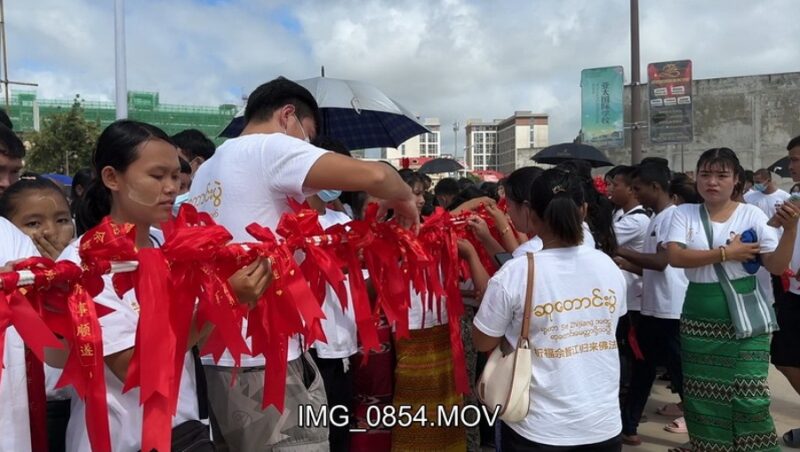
(792, 438)
(677, 426)
(631, 440)
(670, 410)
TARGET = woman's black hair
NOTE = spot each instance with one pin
(727, 159)
(684, 188)
(117, 147)
(82, 178)
(10, 197)
(518, 184)
(797, 186)
(490, 189)
(600, 212)
(464, 196)
(557, 196)
(411, 177)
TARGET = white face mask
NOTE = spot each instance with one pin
(180, 199)
(329, 195)
(302, 129)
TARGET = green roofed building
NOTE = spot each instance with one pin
(27, 112)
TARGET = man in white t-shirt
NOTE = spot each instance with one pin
(248, 180)
(765, 194)
(664, 287)
(333, 356)
(15, 431)
(768, 197)
(785, 346)
(630, 225)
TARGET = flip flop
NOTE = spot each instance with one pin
(792, 438)
(685, 447)
(677, 426)
(670, 410)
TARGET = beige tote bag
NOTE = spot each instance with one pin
(506, 379)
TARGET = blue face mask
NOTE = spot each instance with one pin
(760, 187)
(329, 195)
(180, 199)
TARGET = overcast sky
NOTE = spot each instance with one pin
(454, 59)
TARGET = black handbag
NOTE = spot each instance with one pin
(194, 436)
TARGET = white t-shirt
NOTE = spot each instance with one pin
(579, 295)
(630, 228)
(248, 181)
(422, 315)
(687, 229)
(15, 433)
(124, 411)
(339, 326)
(767, 203)
(662, 292)
(535, 244)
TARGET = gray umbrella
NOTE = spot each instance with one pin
(356, 113)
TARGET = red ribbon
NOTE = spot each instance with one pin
(287, 308)
(357, 237)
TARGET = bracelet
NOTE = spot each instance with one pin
(722, 251)
(503, 232)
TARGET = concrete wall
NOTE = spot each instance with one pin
(756, 116)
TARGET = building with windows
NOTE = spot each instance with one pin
(481, 144)
(27, 113)
(518, 137)
(425, 145)
(505, 144)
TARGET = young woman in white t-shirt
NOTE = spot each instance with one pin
(424, 376)
(726, 397)
(137, 181)
(578, 297)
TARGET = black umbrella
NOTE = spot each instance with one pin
(440, 165)
(781, 167)
(559, 153)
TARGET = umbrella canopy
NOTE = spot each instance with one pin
(781, 167)
(62, 179)
(559, 153)
(440, 165)
(355, 113)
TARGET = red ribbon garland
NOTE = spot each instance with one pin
(287, 308)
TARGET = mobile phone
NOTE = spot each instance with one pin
(502, 258)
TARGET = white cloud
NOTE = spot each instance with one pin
(454, 59)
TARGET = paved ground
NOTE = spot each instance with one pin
(785, 410)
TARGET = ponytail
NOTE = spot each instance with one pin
(557, 197)
(565, 220)
(93, 207)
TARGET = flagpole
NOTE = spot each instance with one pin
(119, 59)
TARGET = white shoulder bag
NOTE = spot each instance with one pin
(506, 379)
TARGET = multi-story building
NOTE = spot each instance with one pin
(481, 144)
(505, 144)
(518, 137)
(425, 145)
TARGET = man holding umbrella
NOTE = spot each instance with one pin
(248, 180)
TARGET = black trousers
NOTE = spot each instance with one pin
(513, 441)
(339, 390)
(660, 342)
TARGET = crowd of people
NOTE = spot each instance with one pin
(638, 270)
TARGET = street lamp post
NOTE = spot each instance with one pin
(455, 141)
